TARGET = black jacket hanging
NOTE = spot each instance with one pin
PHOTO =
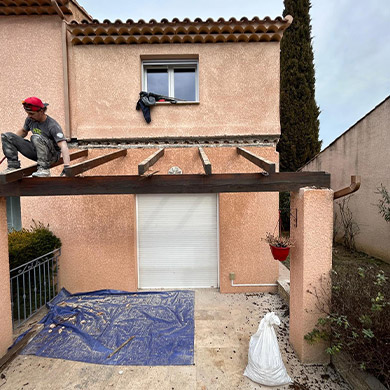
(145, 110)
(149, 99)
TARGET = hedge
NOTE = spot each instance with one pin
(27, 244)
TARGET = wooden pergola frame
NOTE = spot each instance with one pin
(266, 180)
(17, 184)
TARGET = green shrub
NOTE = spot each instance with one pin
(358, 320)
(284, 206)
(384, 203)
(28, 244)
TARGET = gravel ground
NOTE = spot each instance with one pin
(223, 326)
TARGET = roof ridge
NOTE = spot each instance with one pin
(175, 21)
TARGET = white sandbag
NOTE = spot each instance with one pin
(265, 364)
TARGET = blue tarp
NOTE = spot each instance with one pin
(88, 327)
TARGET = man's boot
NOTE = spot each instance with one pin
(8, 170)
(41, 172)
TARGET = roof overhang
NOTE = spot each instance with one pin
(42, 7)
(176, 31)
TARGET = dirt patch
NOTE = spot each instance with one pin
(342, 257)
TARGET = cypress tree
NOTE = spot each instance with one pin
(298, 109)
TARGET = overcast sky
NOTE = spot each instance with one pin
(351, 41)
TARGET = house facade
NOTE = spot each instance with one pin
(362, 150)
(223, 129)
(91, 73)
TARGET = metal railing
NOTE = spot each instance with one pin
(33, 284)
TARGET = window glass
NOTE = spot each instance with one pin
(172, 78)
(157, 80)
(184, 84)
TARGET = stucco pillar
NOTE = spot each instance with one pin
(5, 298)
(310, 265)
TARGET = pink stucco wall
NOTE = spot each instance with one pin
(362, 150)
(244, 221)
(5, 299)
(31, 65)
(238, 91)
(98, 233)
(310, 265)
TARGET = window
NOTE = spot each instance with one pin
(177, 79)
(14, 215)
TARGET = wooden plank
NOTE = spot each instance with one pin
(120, 347)
(14, 351)
(205, 161)
(151, 160)
(165, 184)
(19, 173)
(76, 169)
(259, 161)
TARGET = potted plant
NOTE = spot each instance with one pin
(280, 245)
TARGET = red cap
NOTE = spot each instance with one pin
(33, 104)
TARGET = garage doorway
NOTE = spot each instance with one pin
(177, 241)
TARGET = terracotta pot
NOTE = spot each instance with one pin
(279, 253)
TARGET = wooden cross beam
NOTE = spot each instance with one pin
(151, 160)
(76, 169)
(205, 161)
(260, 162)
(20, 173)
(165, 184)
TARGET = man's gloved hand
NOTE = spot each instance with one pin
(63, 171)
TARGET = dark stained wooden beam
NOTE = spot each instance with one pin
(259, 161)
(14, 351)
(20, 173)
(76, 169)
(151, 160)
(165, 184)
(205, 161)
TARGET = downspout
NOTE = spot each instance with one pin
(65, 68)
(353, 187)
(232, 276)
(65, 71)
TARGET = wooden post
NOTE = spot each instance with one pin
(5, 296)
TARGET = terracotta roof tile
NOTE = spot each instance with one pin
(176, 31)
(38, 7)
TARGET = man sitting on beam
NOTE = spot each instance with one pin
(46, 144)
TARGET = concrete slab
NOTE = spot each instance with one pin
(223, 326)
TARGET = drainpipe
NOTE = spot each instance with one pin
(232, 276)
(65, 72)
(354, 186)
(65, 68)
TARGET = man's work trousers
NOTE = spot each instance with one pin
(40, 149)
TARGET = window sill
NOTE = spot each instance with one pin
(178, 103)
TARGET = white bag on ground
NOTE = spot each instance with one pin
(265, 364)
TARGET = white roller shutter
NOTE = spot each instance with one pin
(177, 241)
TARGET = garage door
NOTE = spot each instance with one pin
(177, 241)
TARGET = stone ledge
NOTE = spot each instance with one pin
(357, 378)
(284, 290)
